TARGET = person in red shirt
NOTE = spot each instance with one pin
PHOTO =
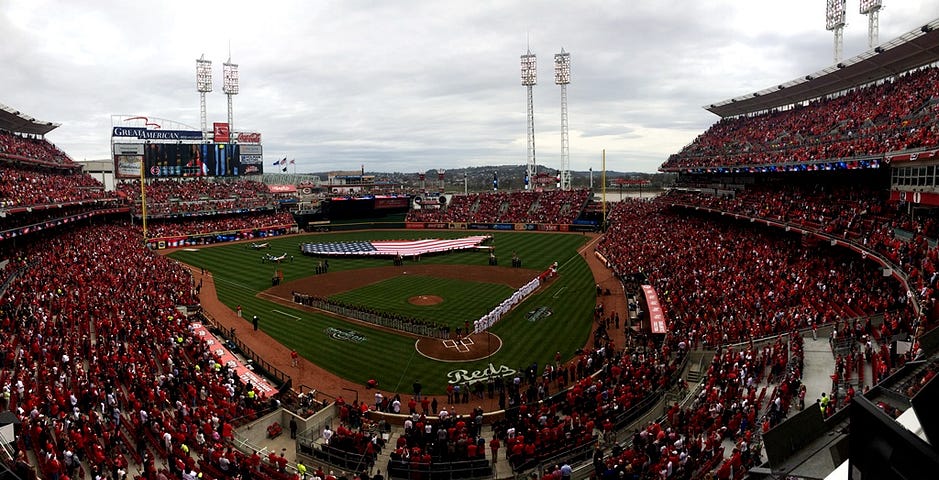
(494, 446)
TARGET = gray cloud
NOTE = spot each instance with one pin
(416, 85)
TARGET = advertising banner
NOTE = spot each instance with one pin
(249, 137)
(391, 202)
(251, 150)
(128, 149)
(656, 315)
(282, 188)
(220, 132)
(127, 166)
(145, 134)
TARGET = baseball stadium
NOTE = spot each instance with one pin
(769, 314)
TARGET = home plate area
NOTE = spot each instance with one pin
(475, 346)
(462, 345)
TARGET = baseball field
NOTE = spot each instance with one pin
(452, 289)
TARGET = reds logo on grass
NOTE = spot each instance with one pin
(345, 335)
(460, 376)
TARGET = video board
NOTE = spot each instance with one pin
(160, 160)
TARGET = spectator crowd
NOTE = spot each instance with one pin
(550, 206)
(875, 119)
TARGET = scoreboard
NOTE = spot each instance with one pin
(158, 153)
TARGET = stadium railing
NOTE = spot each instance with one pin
(479, 468)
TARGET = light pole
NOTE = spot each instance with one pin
(871, 8)
(834, 21)
(230, 87)
(529, 79)
(562, 77)
(203, 86)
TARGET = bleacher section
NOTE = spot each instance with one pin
(888, 116)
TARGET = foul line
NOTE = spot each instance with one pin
(287, 314)
(559, 292)
(239, 285)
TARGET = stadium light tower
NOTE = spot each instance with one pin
(871, 8)
(230, 87)
(562, 77)
(529, 79)
(203, 85)
(834, 21)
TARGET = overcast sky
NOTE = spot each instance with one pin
(416, 85)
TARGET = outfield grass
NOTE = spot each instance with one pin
(239, 275)
(392, 296)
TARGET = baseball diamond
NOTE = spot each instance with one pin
(513, 342)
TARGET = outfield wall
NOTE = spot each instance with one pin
(518, 227)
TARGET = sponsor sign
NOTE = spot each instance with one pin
(383, 203)
(465, 376)
(251, 150)
(127, 166)
(144, 134)
(128, 149)
(656, 315)
(345, 335)
(282, 188)
(249, 137)
(220, 132)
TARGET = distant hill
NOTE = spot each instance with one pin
(511, 177)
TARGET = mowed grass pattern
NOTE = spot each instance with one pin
(392, 296)
(390, 358)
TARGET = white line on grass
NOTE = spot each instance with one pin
(287, 314)
(559, 292)
(239, 285)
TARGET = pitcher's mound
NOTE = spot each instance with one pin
(424, 300)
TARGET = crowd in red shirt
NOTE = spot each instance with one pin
(551, 206)
(856, 213)
(199, 196)
(871, 120)
(21, 147)
(20, 187)
(721, 282)
(221, 224)
(96, 355)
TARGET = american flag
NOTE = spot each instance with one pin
(405, 248)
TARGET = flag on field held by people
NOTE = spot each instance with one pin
(394, 247)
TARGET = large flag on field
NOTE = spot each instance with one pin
(405, 248)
